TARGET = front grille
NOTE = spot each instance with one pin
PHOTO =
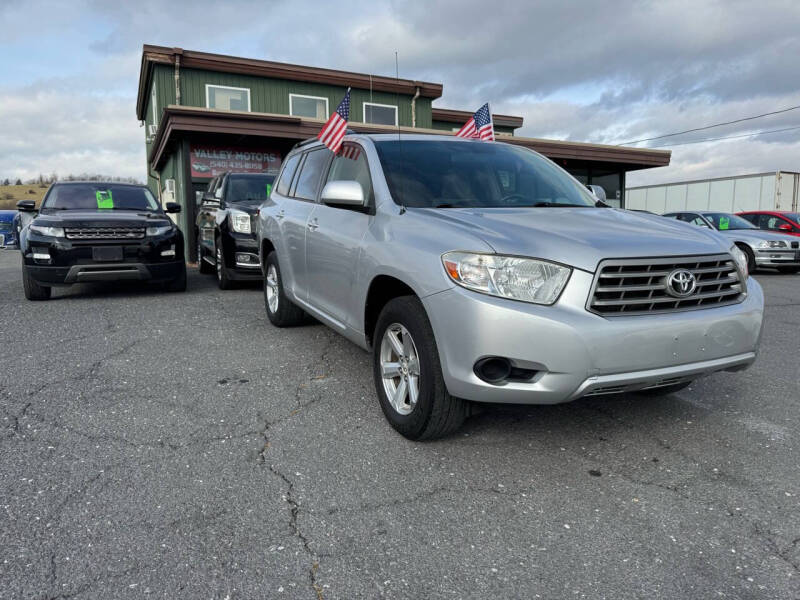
(104, 233)
(639, 286)
(795, 245)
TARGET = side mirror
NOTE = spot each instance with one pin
(173, 207)
(598, 191)
(343, 193)
(209, 199)
(26, 206)
(782, 226)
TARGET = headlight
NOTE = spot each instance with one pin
(48, 231)
(740, 258)
(524, 279)
(160, 230)
(773, 244)
(240, 221)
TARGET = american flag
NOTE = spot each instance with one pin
(334, 129)
(479, 125)
(351, 151)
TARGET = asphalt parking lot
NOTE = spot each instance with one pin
(178, 446)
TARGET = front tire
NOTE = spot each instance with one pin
(751, 258)
(179, 283)
(223, 279)
(280, 310)
(33, 290)
(408, 375)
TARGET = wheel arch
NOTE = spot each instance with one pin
(382, 289)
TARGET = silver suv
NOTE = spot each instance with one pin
(483, 272)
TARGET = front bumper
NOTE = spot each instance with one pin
(58, 261)
(773, 257)
(577, 353)
(241, 254)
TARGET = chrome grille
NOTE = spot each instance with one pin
(639, 286)
(104, 233)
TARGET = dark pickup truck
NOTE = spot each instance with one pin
(97, 231)
(225, 228)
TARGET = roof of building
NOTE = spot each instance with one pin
(152, 55)
(460, 116)
(186, 119)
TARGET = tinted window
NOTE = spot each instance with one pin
(351, 165)
(752, 218)
(249, 189)
(310, 174)
(286, 175)
(453, 174)
(93, 196)
(727, 221)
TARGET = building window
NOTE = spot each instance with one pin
(314, 107)
(380, 114)
(155, 108)
(227, 98)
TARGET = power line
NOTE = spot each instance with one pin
(658, 137)
(728, 137)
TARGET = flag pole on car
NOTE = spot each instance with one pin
(479, 125)
(333, 131)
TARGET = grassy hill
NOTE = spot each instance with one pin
(10, 194)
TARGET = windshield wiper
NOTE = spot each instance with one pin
(557, 205)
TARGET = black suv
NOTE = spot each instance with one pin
(96, 231)
(226, 235)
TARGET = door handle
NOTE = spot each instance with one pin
(313, 225)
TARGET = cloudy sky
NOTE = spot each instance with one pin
(606, 72)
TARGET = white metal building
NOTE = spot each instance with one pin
(761, 191)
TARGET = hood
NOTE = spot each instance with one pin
(100, 218)
(753, 235)
(580, 237)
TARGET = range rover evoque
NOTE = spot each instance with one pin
(483, 272)
(97, 231)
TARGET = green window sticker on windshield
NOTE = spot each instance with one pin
(724, 223)
(104, 199)
(269, 189)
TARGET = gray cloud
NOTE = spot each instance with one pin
(602, 72)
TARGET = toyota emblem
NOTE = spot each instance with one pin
(681, 283)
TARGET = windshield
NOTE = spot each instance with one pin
(792, 217)
(94, 196)
(453, 174)
(727, 222)
(249, 189)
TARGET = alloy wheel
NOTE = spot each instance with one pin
(272, 289)
(399, 362)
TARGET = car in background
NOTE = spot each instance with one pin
(8, 235)
(225, 226)
(100, 231)
(485, 272)
(777, 221)
(763, 249)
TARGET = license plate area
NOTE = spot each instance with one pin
(107, 253)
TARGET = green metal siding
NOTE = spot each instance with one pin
(163, 78)
(272, 95)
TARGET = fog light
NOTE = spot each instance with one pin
(41, 257)
(170, 252)
(246, 259)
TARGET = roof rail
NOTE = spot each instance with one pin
(302, 143)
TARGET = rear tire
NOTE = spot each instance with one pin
(280, 310)
(179, 283)
(202, 265)
(223, 279)
(790, 270)
(435, 413)
(666, 390)
(33, 290)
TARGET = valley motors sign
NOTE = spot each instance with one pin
(210, 161)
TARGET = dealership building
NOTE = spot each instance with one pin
(206, 113)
